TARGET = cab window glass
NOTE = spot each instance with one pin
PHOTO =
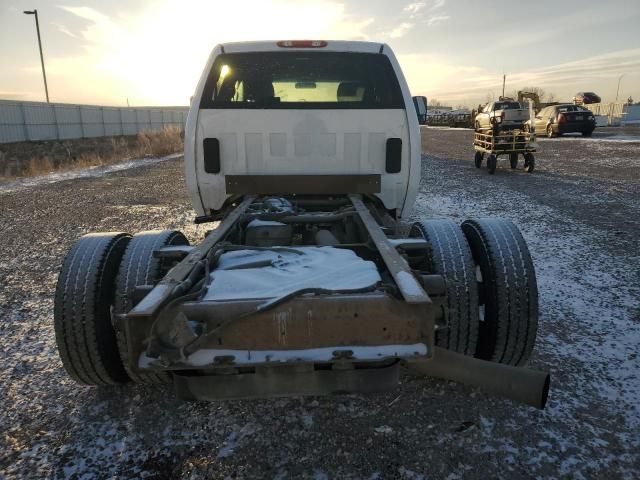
(303, 80)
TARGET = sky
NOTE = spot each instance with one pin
(146, 52)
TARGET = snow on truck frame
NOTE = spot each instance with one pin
(307, 154)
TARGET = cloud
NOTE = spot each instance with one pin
(400, 31)
(428, 14)
(434, 76)
(155, 55)
(8, 95)
(415, 7)
(87, 13)
(65, 30)
(437, 19)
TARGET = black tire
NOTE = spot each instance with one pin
(492, 163)
(82, 309)
(140, 267)
(550, 133)
(513, 159)
(529, 162)
(477, 159)
(588, 133)
(508, 291)
(451, 257)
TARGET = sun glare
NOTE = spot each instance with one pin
(155, 56)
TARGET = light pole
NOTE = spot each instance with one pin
(618, 90)
(44, 74)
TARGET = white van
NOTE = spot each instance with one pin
(302, 108)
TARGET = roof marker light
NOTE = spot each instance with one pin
(302, 43)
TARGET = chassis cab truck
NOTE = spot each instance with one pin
(305, 158)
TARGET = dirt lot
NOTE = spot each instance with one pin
(580, 213)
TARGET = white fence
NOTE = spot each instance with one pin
(616, 113)
(30, 121)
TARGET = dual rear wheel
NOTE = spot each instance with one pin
(96, 283)
(492, 296)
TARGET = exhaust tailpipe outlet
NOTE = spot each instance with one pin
(523, 385)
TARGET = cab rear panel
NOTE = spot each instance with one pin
(336, 110)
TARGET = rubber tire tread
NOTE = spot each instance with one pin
(477, 159)
(513, 160)
(83, 298)
(452, 258)
(530, 163)
(492, 163)
(508, 333)
(140, 267)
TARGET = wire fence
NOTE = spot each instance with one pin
(33, 121)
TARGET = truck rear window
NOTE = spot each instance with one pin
(507, 106)
(571, 108)
(302, 80)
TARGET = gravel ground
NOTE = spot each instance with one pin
(580, 214)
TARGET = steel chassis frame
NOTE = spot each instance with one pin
(158, 328)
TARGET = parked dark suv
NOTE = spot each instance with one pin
(566, 118)
(586, 98)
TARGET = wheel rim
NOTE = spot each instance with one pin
(549, 131)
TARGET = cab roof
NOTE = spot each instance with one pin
(331, 46)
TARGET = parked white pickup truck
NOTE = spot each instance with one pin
(506, 114)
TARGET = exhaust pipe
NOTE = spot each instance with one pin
(520, 384)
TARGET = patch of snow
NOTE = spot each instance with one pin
(207, 356)
(407, 474)
(235, 440)
(583, 289)
(98, 171)
(435, 127)
(307, 421)
(384, 429)
(408, 284)
(279, 272)
(278, 205)
(320, 475)
(605, 137)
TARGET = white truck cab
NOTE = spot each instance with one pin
(280, 116)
